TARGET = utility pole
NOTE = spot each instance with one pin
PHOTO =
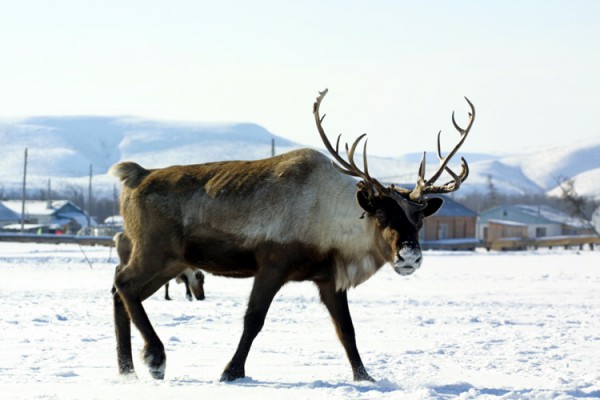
(49, 200)
(115, 200)
(89, 216)
(24, 193)
(272, 147)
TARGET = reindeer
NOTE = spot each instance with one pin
(297, 216)
(193, 278)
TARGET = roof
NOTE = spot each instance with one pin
(114, 220)
(58, 212)
(452, 208)
(531, 214)
(38, 207)
(6, 214)
(506, 223)
(17, 227)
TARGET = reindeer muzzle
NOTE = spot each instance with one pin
(408, 260)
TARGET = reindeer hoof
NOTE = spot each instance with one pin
(232, 373)
(158, 373)
(362, 375)
(125, 365)
(227, 377)
(156, 361)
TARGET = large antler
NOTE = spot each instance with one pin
(347, 167)
(423, 186)
(427, 186)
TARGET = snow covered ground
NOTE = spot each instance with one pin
(519, 325)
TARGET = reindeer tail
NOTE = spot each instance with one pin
(130, 173)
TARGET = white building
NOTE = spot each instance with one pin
(49, 216)
(8, 216)
(539, 221)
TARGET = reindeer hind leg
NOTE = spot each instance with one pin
(123, 335)
(132, 290)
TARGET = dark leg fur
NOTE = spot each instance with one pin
(167, 291)
(154, 351)
(123, 334)
(337, 305)
(264, 290)
(188, 292)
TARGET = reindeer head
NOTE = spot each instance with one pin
(398, 212)
(197, 285)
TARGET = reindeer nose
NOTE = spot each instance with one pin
(417, 260)
(408, 260)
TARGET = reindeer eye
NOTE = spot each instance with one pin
(381, 217)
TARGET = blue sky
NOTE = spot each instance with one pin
(395, 69)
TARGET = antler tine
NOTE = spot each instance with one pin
(471, 119)
(416, 194)
(347, 167)
(350, 153)
(464, 173)
(428, 187)
(465, 167)
(421, 179)
(364, 174)
(439, 143)
(454, 184)
(365, 165)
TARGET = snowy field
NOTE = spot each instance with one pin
(522, 325)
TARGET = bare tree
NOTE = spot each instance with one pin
(579, 206)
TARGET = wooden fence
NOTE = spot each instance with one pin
(549, 242)
(461, 244)
(56, 239)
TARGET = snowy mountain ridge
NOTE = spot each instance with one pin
(63, 148)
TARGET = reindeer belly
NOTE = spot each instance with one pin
(296, 261)
(220, 257)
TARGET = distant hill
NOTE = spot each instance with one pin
(62, 149)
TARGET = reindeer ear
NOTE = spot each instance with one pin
(364, 201)
(433, 205)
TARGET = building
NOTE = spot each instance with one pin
(498, 229)
(8, 216)
(527, 221)
(111, 226)
(48, 216)
(453, 226)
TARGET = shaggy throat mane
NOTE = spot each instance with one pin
(353, 273)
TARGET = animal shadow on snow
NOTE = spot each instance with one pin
(382, 386)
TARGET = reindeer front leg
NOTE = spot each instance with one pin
(337, 305)
(266, 285)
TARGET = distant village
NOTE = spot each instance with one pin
(58, 217)
(455, 227)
